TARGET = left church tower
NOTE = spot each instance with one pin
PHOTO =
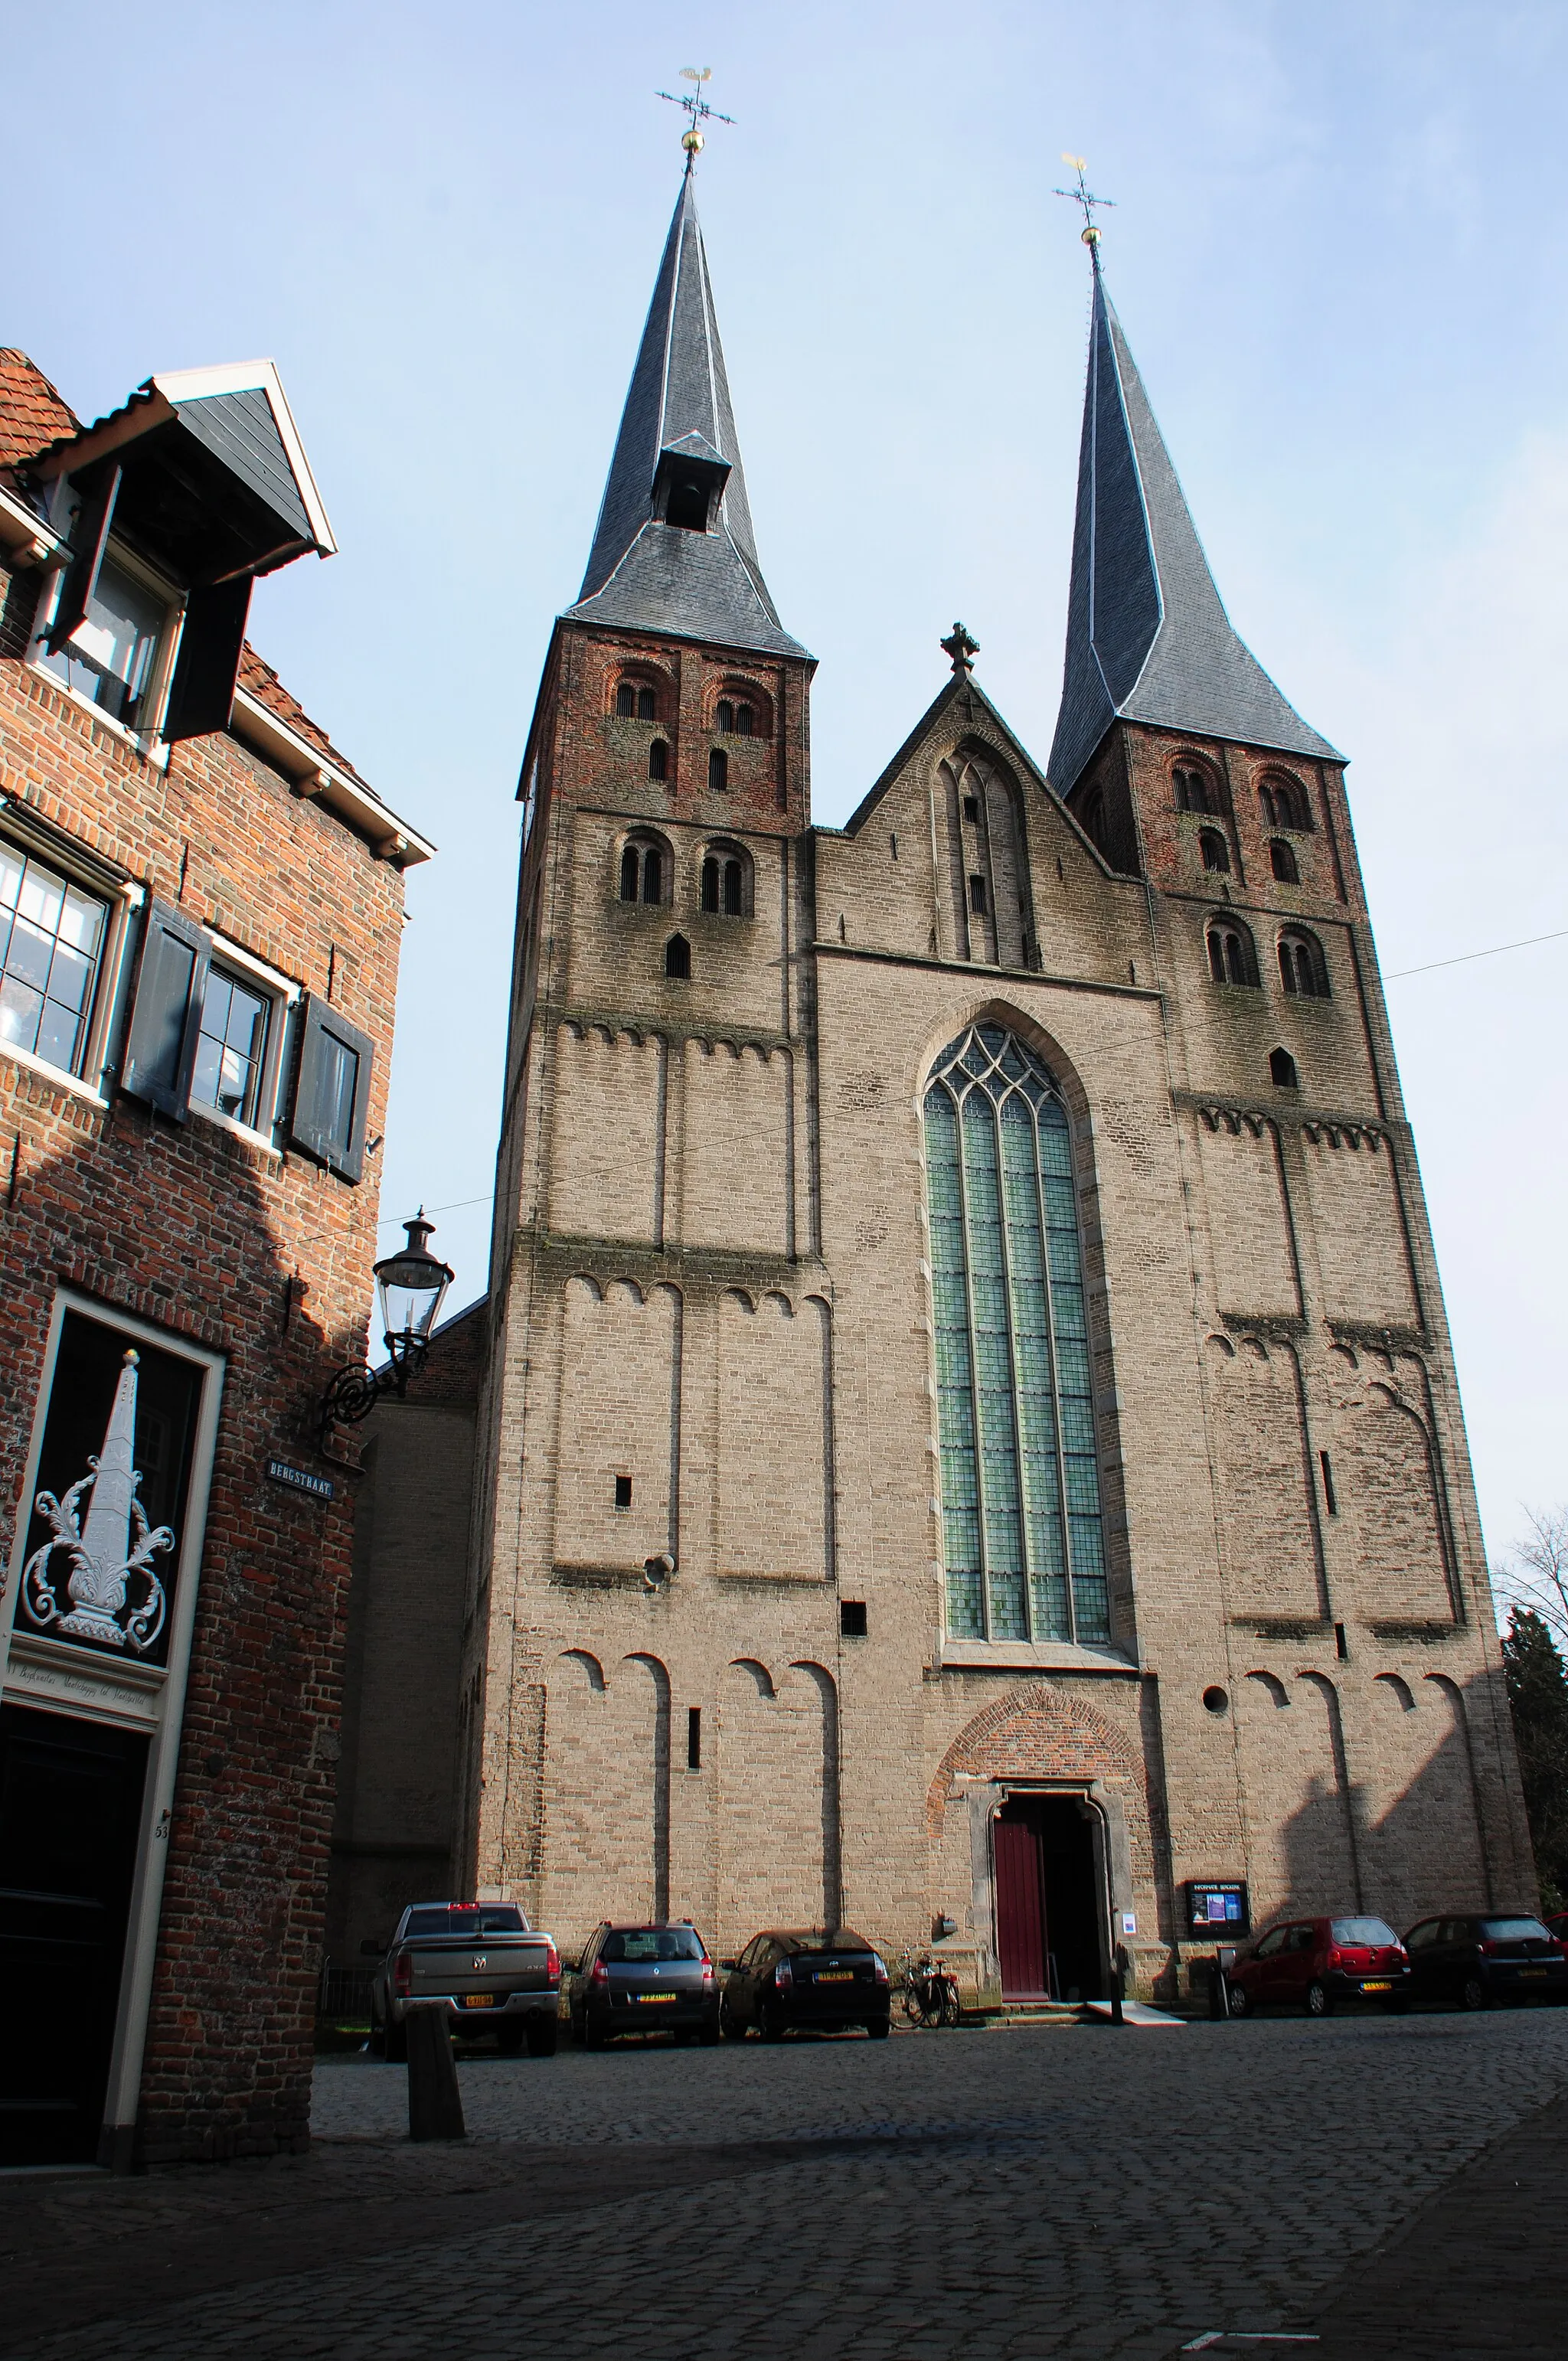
(655, 1160)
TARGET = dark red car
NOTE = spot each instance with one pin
(1557, 1927)
(1314, 1963)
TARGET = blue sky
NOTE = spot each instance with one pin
(1339, 251)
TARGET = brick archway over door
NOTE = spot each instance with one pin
(1042, 1738)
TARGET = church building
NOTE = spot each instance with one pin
(970, 1444)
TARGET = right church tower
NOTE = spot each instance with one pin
(971, 1440)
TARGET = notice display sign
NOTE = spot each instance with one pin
(1217, 1906)
(301, 1480)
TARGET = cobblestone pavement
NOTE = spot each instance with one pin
(942, 2196)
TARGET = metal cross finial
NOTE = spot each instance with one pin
(1084, 196)
(696, 109)
(962, 649)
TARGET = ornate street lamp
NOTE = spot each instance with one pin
(411, 1285)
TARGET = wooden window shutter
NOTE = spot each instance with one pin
(332, 1093)
(166, 1015)
(88, 541)
(201, 697)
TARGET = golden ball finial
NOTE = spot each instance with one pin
(1090, 235)
(692, 141)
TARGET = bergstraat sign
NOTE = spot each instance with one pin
(300, 1479)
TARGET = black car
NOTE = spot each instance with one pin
(647, 1978)
(806, 1979)
(1479, 1961)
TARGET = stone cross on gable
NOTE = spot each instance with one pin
(962, 649)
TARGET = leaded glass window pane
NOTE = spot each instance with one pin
(1020, 1516)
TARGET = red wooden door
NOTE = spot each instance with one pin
(1020, 1913)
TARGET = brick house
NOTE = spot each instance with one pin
(201, 909)
(969, 1436)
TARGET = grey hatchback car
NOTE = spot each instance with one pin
(647, 1978)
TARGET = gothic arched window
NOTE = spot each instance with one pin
(1023, 1540)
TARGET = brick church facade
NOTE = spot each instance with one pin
(971, 1432)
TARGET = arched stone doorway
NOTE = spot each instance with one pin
(1050, 1793)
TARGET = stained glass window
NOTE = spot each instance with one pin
(1023, 1535)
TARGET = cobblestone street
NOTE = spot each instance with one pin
(1068, 2191)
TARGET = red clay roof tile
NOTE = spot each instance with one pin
(32, 414)
(259, 680)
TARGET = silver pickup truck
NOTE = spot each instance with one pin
(483, 1961)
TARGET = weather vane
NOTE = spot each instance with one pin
(696, 109)
(1083, 195)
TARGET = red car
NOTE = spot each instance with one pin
(1314, 1963)
(1557, 1927)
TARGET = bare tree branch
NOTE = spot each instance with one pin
(1534, 1571)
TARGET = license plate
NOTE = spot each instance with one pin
(834, 1975)
(1383, 1987)
(1541, 1972)
(478, 2000)
(651, 2000)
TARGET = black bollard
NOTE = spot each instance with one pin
(435, 2103)
(1118, 1985)
(1217, 2003)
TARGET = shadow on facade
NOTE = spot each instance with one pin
(1424, 1830)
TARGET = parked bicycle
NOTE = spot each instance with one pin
(931, 1992)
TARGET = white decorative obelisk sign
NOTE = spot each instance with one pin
(115, 1549)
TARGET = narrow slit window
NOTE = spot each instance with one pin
(1331, 1499)
(653, 875)
(734, 893)
(718, 769)
(1024, 1545)
(658, 760)
(971, 811)
(710, 884)
(623, 1491)
(977, 897)
(630, 867)
(694, 1738)
(678, 957)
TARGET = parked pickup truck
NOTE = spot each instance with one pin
(492, 1972)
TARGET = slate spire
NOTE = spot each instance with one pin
(1148, 638)
(674, 549)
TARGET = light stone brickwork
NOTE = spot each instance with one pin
(712, 1276)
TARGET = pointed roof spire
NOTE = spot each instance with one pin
(678, 433)
(1148, 638)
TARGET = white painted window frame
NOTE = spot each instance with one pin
(285, 996)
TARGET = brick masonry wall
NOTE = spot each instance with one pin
(1318, 1705)
(265, 1257)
